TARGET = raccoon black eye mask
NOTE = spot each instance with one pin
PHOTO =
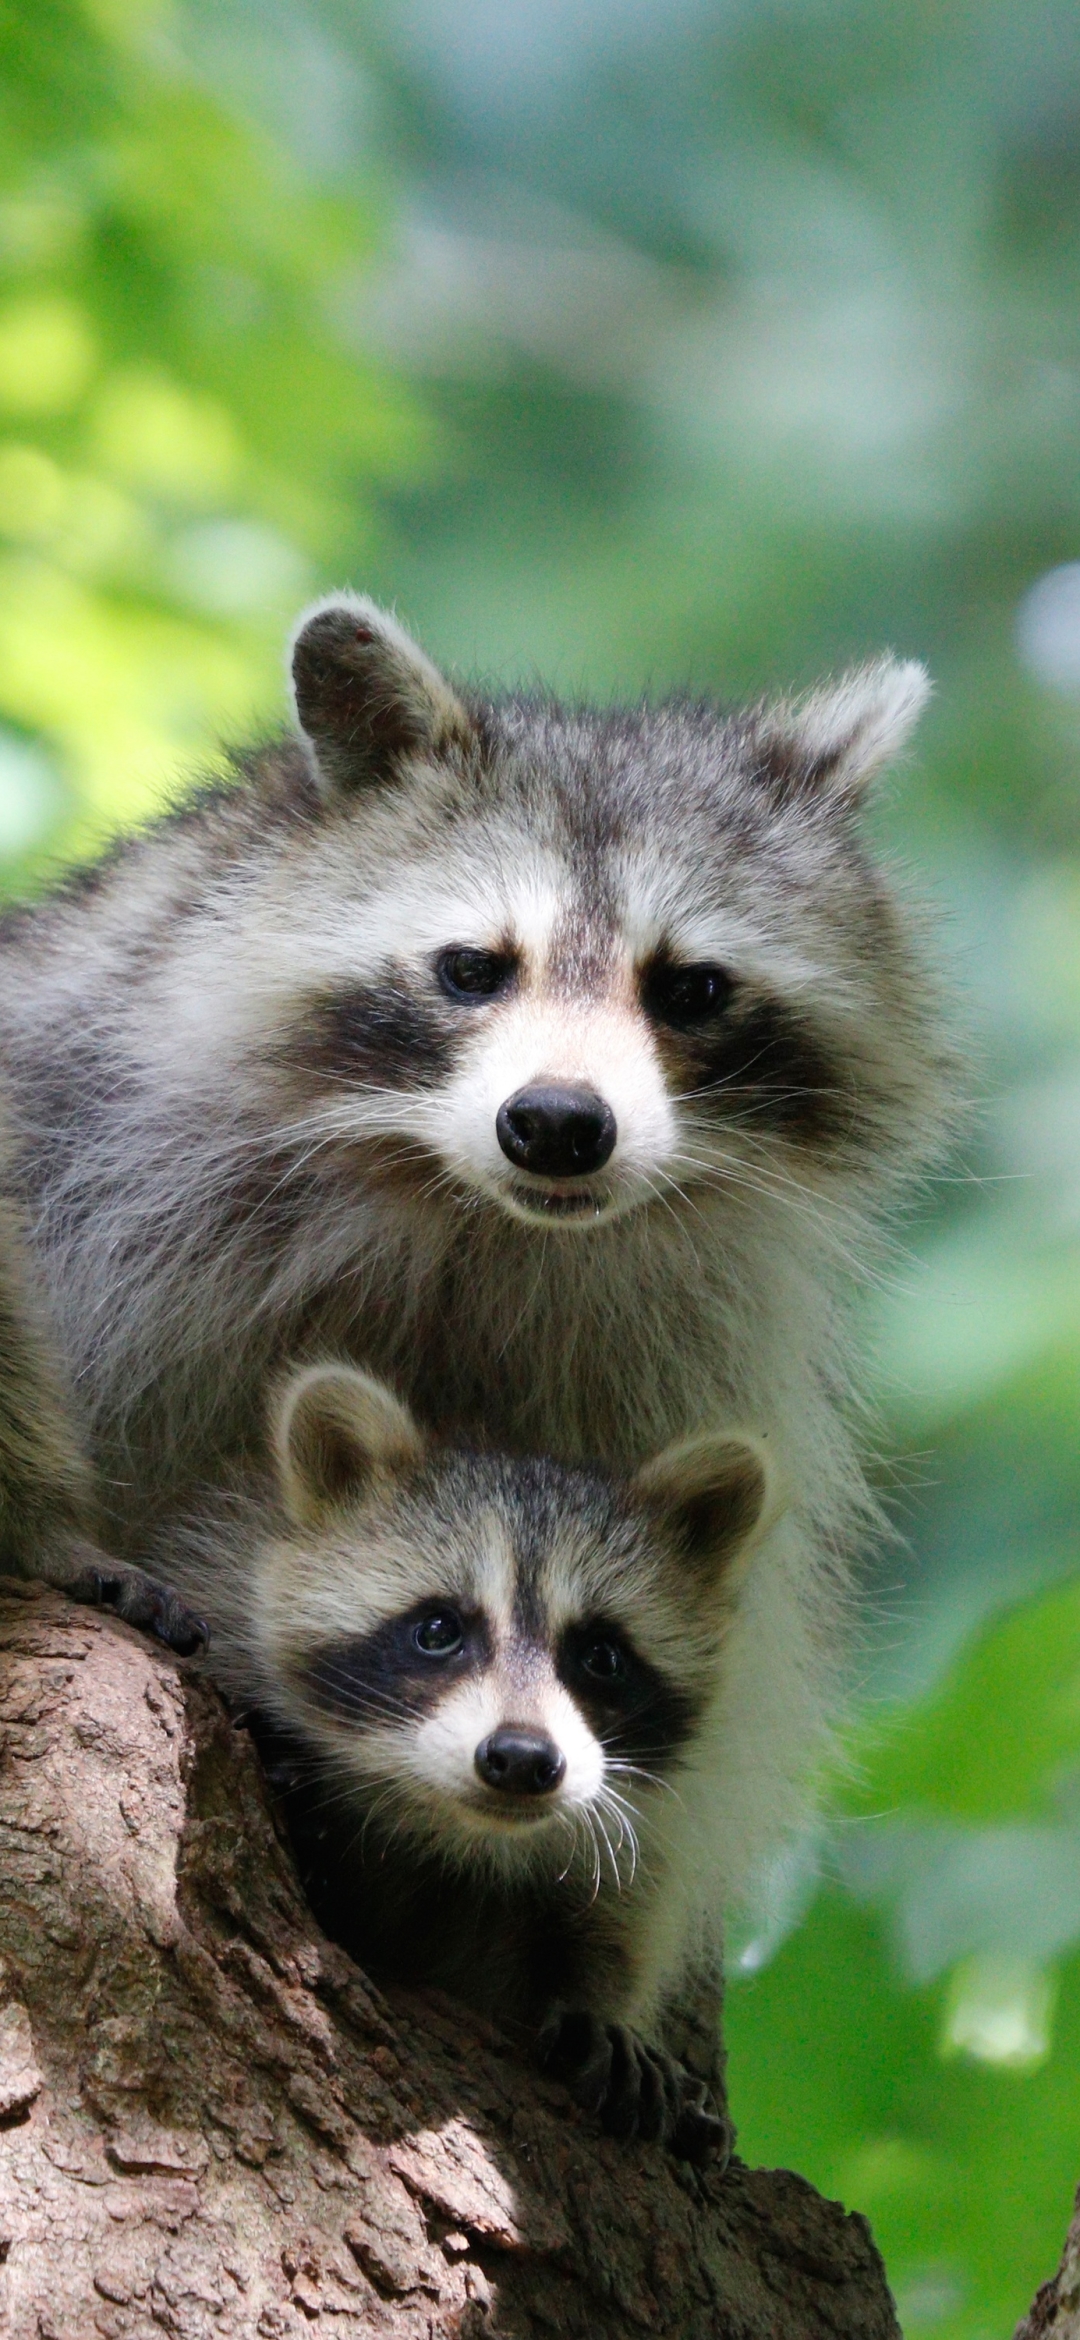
(412, 1660)
(485, 1685)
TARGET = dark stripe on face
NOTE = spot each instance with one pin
(633, 1709)
(581, 948)
(381, 1034)
(385, 1676)
(763, 1064)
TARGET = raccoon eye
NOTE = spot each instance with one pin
(440, 1634)
(604, 1660)
(686, 995)
(468, 974)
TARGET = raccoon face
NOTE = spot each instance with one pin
(499, 1656)
(610, 958)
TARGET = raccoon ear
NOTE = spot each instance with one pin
(365, 696)
(833, 742)
(332, 1428)
(718, 1491)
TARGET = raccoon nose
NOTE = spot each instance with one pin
(521, 1762)
(556, 1132)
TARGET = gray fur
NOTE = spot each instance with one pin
(219, 1178)
(49, 1512)
(574, 1915)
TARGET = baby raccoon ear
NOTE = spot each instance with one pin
(718, 1491)
(365, 696)
(332, 1429)
(833, 742)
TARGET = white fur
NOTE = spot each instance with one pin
(863, 721)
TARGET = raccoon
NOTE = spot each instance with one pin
(48, 1499)
(553, 1064)
(488, 1686)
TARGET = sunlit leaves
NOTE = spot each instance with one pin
(187, 437)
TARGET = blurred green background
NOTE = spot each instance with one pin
(650, 342)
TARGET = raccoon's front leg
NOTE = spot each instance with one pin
(87, 1574)
(690, 2028)
(47, 1497)
(634, 2089)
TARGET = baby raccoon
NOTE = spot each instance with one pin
(491, 1687)
(551, 1062)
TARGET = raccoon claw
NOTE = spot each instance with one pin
(142, 1602)
(702, 2132)
(634, 2089)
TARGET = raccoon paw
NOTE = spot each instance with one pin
(634, 2089)
(140, 1600)
(703, 2131)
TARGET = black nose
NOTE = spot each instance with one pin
(521, 1762)
(556, 1132)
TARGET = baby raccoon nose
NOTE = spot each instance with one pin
(555, 1131)
(521, 1762)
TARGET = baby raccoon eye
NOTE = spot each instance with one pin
(440, 1634)
(686, 995)
(604, 1660)
(466, 974)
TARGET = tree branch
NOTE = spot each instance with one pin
(1055, 2311)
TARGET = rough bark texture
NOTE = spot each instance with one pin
(210, 2123)
(1055, 2311)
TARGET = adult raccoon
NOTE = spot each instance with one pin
(555, 1064)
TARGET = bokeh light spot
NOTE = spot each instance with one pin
(47, 355)
(1048, 628)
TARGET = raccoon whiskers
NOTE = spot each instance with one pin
(762, 1175)
(840, 1229)
(338, 1790)
(598, 1808)
(375, 1705)
(630, 1771)
(570, 1824)
(726, 1089)
(448, 1182)
(661, 1188)
(394, 1796)
(623, 1815)
(723, 1171)
(587, 1816)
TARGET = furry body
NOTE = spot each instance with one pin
(490, 1688)
(49, 1513)
(258, 1091)
(46, 1484)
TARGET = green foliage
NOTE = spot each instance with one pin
(999, 1736)
(965, 2168)
(937, 2104)
(187, 435)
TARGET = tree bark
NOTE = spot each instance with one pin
(1055, 2311)
(212, 2124)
